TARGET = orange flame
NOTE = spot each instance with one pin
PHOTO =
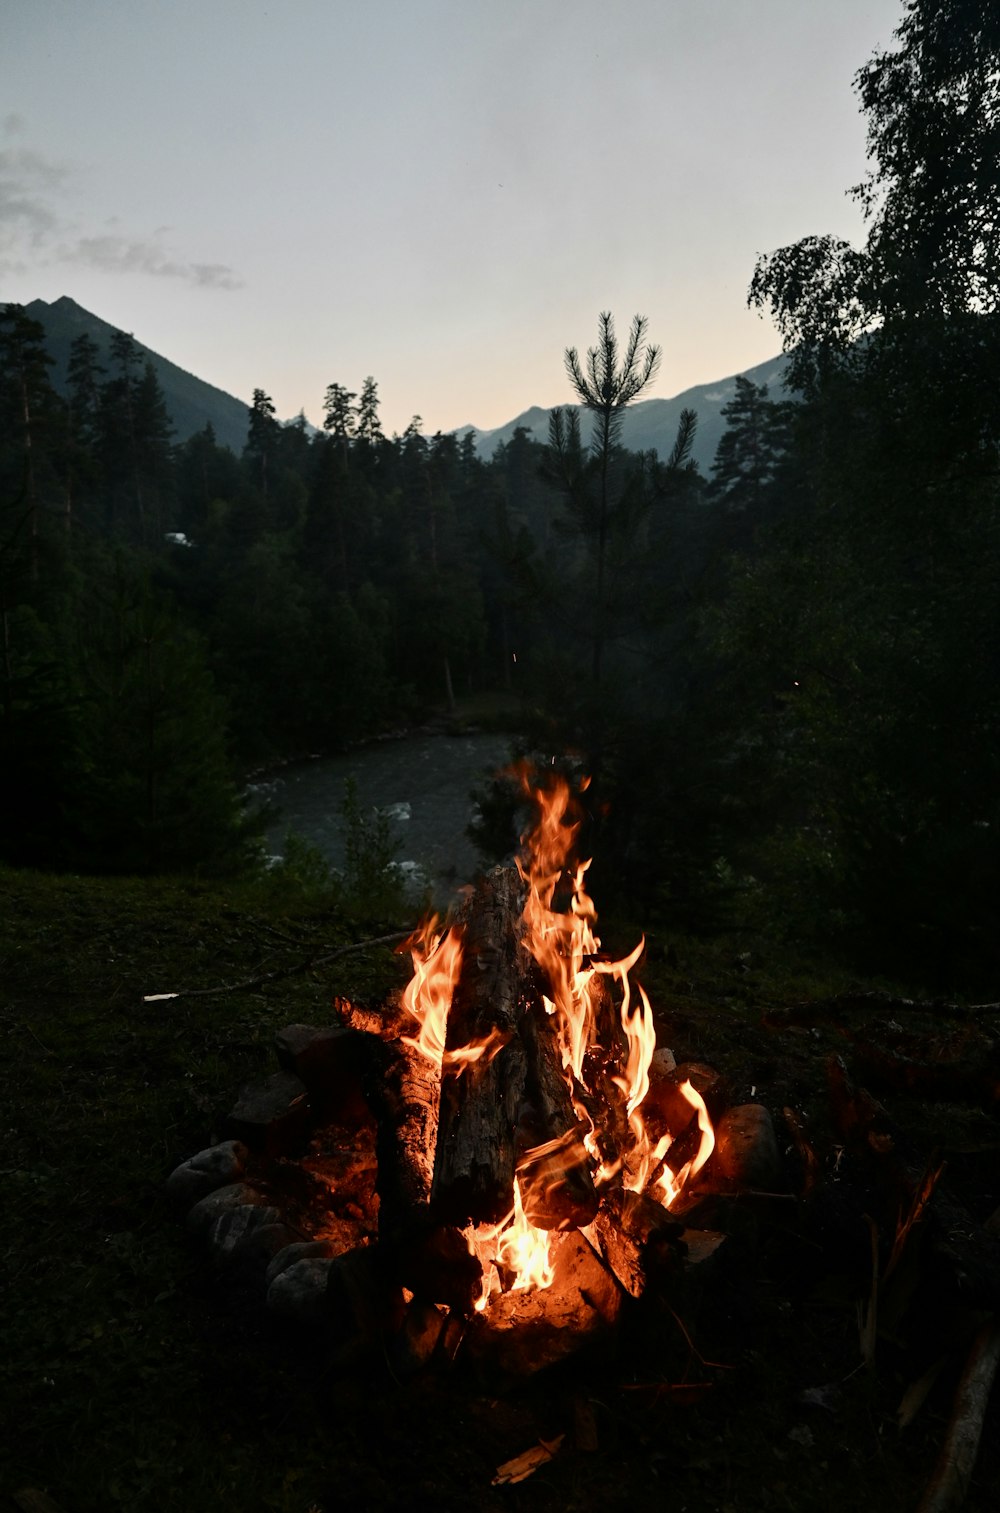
(564, 944)
(437, 962)
(670, 1184)
(517, 1246)
(566, 947)
(561, 943)
(524, 1250)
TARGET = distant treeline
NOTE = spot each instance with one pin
(784, 678)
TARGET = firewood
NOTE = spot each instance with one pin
(956, 1462)
(523, 1332)
(405, 1093)
(430, 1258)
(557, 1188)
(807, 1156)
(473, 1176)
(746, 1151)
(626, 1222)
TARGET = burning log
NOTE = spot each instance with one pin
(485, 1068)
(431, 1259)
(505, 1098)
(557, 1187)
(626, 1225)
(524, 1331)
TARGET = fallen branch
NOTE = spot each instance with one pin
(953, 1472)
(249, 984)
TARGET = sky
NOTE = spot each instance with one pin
(443, 194)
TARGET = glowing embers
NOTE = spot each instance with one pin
(513, 1251)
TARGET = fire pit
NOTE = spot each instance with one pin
(495, 1160)
(499, 1167)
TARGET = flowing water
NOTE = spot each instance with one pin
(422, 783)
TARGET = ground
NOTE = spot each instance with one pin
(132, 1378)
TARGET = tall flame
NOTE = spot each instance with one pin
(559, 919)
(561, 943)
(567, 948)
(437, 962)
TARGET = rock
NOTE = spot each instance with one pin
(746, 1151)
(272, 1116)
(245, 1233)
(330, 1062)
(218, 1166)
(665, 1106)
(205, 1212)
(662, 1064)
(299, 1291)
(411, 1349)
(305, 1250)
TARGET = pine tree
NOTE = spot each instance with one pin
(749, 454)
(369, 427)
(605, 388)
(341, 417)
(262, 436)
(85, 376)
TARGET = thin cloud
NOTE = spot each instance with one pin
(34, 230)
(122, 254)
(27, 220)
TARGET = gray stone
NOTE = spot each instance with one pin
(330, 1061)
(299, 1292)
(305, 1250)
(746, 1154)
(237, 1233)
(272, 1116)
(205, 1212)
(218, 1166)
(662, 1064)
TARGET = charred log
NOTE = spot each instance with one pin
(557, 1189)
(430, 1258)
(512, 1109)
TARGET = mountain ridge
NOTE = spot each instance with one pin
(192, 402)
(649, 424)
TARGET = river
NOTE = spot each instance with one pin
(423, 783)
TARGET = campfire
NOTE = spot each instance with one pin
(500, 1155)
(499, 1166)
(532, 1061)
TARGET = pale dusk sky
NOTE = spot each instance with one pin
(441, 193)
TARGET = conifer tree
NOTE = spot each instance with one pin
(369, 427)
(605, 387)
(262, 436)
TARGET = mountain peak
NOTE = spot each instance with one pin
(191, 403)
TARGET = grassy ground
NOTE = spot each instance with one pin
(131, 1379)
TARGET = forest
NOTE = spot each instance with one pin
(782, 677)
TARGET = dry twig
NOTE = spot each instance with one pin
(249, 984)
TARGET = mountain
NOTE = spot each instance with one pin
(651, 424)
(191, 403)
